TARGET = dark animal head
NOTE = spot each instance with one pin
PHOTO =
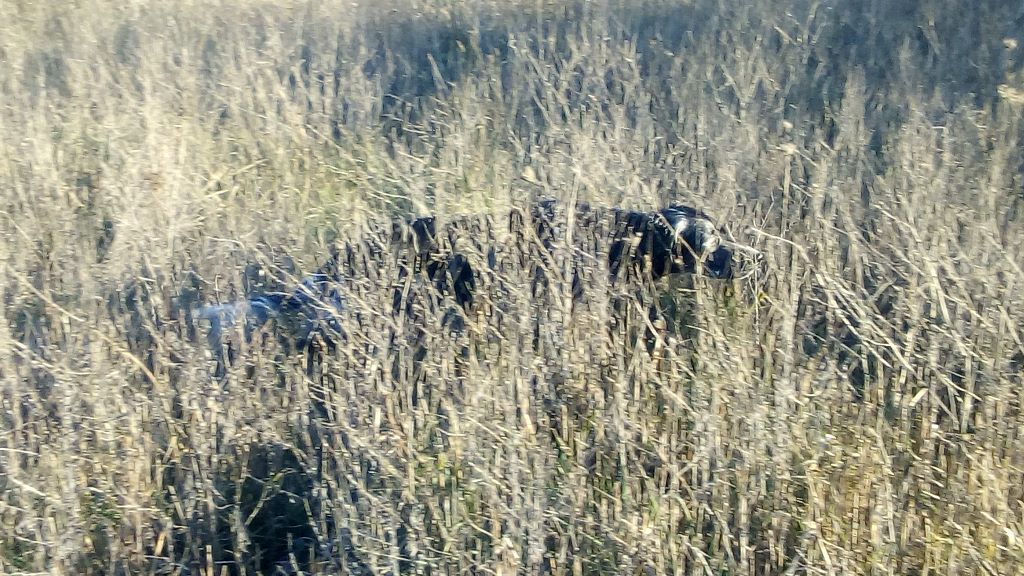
(678, 239)
(694, 242)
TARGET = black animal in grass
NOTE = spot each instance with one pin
(676, 240)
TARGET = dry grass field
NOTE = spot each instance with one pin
(853, 408)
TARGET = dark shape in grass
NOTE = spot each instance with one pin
(676, 240)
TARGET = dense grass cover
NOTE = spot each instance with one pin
(855, 408)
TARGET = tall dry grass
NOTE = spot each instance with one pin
(855, 409)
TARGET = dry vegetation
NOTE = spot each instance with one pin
(855, 409)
